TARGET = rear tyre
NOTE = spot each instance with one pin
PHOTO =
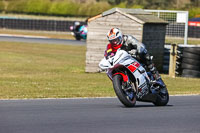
(162, 98)
(192, 50)
(190, 73)
(78, 38)
(191, 61)
(191, 67)
(121, 94)
(191, 56)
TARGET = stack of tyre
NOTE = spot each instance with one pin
(188, 62)
(166, 59)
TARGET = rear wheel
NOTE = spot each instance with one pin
(190, 73)
(162, 98)
(77, 38)
(191, 61)
(125, 95)
(193, 50)
(191, 56)
(189, 66)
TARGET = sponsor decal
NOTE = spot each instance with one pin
(143, 90)
(133, 66)
(192, 23)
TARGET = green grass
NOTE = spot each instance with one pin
(67, 35)
(57, 71)
(41, 71)
(180, 85)
(192, 41)
(49, 34)
(43, 17)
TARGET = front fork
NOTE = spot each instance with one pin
(127, 85)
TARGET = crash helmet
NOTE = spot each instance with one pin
(76, 23)
(115, 36)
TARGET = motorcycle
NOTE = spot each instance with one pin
(131, 82)
(79, 32)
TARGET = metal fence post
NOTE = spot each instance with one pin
(186, 30)
(178, 23)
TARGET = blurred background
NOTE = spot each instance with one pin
(59, 15)
(88, 8)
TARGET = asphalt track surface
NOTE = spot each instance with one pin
(41, 40)
(95, 115)
(99, 115)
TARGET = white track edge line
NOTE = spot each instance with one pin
(79, 98)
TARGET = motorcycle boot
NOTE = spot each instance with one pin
(156, 76)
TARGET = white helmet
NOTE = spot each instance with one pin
(115, 36)
(76, 23)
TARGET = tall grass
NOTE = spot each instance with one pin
(1, 5)
(37, 6)
(77, 7)
(16, 7)
(58, 7)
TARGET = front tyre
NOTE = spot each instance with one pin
(121, 92)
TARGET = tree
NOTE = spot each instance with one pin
(195, 3)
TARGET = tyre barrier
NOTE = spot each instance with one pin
(191, 73)
(166, 58)
(191, 56)
(188, 61)
(179, 58)
(36, 24)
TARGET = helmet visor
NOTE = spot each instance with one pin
(115, 41)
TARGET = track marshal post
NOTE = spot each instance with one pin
(172, 63)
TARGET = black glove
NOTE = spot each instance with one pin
(109, 55)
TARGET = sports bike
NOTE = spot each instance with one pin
(131, 82)
(79, 32)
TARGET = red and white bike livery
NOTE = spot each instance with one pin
(131, 82)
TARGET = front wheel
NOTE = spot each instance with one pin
(126, 96)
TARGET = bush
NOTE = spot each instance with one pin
(37, 6)
(121, 5)
(66, 8)
(16, 7)
(194, 12)
(70, 8)
(1, 5)
(57, 7)
(92, 9)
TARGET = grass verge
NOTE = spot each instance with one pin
(57, 71)
(49, 34)
(191, 41)
(67, 35)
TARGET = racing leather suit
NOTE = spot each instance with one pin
(137, 50)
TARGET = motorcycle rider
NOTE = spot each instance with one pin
(130, 44)
(83, 31)
(77, 25)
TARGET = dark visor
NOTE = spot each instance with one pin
(114, 41)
